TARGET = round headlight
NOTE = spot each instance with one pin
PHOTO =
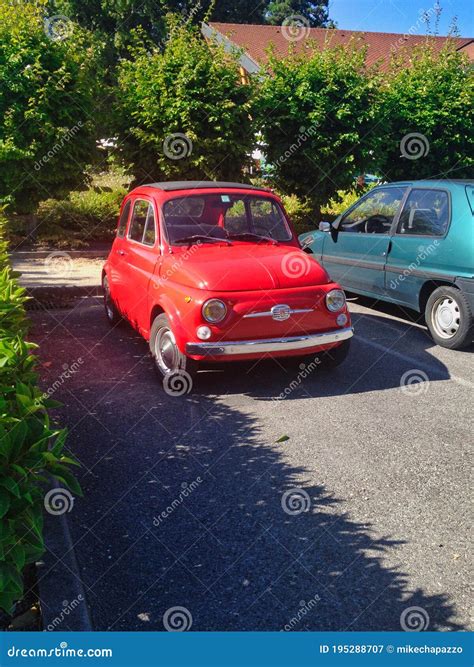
(335, 300)
(214, 310)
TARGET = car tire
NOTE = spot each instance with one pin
(448, 317)
(336, 355)
(111, 311)
(170, 363)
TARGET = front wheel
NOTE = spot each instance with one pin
(111, 311)
(449, 319)
(176, 369)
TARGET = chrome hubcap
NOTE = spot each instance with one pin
(166, 351)
(446, 317)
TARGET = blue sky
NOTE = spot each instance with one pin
(400, 15)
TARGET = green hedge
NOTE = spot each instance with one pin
(31, 448)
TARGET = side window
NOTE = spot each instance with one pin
(375, 213)
(142, 224)
(122, 225)
(149, 237)
(426, 213)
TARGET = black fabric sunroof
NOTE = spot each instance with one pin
(190, 185)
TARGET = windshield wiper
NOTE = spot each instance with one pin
(250, 236)
(201, 237)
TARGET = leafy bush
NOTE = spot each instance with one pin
(343, 199)
(184, 111)
(48, 105)
(31, 447)
(317, 114)
(427, 113)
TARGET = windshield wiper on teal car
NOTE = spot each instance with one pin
(201, 237)
(249, 236)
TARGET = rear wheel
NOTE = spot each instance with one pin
(449, 318)
(176, 369)
(111, 311)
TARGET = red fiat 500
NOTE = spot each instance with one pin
(214, 271)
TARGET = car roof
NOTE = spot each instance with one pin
(431, 182)
(201, 185)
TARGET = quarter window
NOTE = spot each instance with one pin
(142, 225)
(426, 213)
(374, 213)
(122, 225)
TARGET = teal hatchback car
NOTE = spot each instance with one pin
(412, 244)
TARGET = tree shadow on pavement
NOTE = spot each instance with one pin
(187, 504)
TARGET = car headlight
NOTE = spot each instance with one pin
(214, 310)
(335, 300)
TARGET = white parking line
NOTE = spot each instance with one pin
(416, 362)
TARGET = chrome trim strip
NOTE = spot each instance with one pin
(227, 348)
(268, 313)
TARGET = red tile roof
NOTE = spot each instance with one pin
(255, 39)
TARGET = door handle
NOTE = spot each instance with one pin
(385, 252)
(120, 252)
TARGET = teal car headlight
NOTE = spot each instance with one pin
(335, 300)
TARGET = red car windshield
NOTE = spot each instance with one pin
(224, 216)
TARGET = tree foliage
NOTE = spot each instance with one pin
(317, 118)
(184, 111)
(431, 97)
(48, 90)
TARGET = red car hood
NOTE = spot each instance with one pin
(243, 267)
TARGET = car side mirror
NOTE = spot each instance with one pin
(324, 226)
(307, 241)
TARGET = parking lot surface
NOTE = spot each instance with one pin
(337, 507)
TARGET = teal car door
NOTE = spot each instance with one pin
(355, 250)
(420, 249)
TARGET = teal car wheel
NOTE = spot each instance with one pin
(449, 318)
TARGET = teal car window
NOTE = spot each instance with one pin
(426, 213)
(374, 213)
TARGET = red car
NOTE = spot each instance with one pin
(214, 271)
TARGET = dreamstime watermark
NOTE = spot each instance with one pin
(295, 501)
(414, 382)
(177, 146)
(177, 619)
(303, 136)
(424, 16)
(68, 607)
(296, 264)
(414, 145)
(58, 262)
(305, 608)
(186, 491)
(177, 383)
(295, 28)
(58, 501)
(58, 27)
(423, 253)
(68, 371)
(305, 371)
(176, 265)
(58, 146)
(414, 619)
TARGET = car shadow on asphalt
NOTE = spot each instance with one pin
(380, 359)
(187, 504)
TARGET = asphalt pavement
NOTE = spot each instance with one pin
(339, 507)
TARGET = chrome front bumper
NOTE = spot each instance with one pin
(265, 345)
